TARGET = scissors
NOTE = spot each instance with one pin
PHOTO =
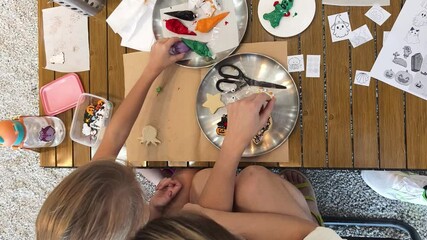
(240, 80)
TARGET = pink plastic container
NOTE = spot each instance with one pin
(61, 94)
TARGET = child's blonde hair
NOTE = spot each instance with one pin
(182, 227)
(101, 200)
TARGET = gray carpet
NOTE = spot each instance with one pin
(24, 185)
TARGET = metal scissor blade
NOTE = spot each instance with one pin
(267, 85)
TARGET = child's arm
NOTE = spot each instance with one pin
(245, 118)
(119, 128)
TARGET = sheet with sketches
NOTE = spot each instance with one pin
(377, 14)
(222, 37)
(339, 25)
(313, 66)
(360, 36)
(66, 40)
(402, 61)
(362, 78)
(356, 2)
(296, 63)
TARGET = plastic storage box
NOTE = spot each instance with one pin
(61, 94)
(91, 117)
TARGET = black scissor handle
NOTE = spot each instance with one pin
(239, 84)
(225, 75)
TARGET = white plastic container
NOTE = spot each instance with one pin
(91, 117)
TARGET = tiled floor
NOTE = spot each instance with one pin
(24, 185)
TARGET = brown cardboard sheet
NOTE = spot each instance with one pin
(173, 113)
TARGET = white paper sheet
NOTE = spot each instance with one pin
(313, 66)
(132, 20)
(402, 61)
(223, 37)
(356, 2)
(360, 36)
(296, 63)
(339, 25)
(362, 78)
(66, 35)
(385, 36)
(377, 14)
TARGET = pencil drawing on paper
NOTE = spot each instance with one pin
(340, 28)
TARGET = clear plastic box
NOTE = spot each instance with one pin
(91, 117)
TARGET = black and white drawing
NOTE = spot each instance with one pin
(399, 61)
(421, 19)
(407, 51)
(339, 26)
(404, 77)
(424, 4)
(389, 73)
(420, 80)
(362, 78)
(296, 63)
(360, 36)
(413, 36)
(416, 62)
(377, 14)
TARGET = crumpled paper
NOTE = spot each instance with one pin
(132, 20)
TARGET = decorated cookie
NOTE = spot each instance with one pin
(280, 10)
(149, 135)
(213, 102)
(221, 128)
(259, 136)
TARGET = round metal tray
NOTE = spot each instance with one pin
(262, 68)
(241, 10)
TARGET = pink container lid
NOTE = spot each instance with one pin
(61, 94)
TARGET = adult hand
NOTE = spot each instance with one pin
(160, 57)
(166, 190)
(246, 117)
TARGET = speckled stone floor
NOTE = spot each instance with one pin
(24, 185)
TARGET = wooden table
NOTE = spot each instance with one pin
(341, 125)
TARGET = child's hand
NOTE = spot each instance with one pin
(160, 57)
(166, 190)
(246, 117)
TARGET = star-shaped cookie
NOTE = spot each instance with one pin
(213, 102)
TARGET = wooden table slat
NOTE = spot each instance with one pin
(338, 97)
(365, 134)
(391, 109)
(47, 155)
(313, 104)
(416, 132)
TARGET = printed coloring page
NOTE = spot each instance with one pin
(402, 61)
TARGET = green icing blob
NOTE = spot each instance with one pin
(198, 47)
(280, 9)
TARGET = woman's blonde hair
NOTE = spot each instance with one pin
(101, 200)
(182, 227)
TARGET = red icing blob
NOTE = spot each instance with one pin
(287, 14)
(176, 26)
(226, 23)
(275, 3)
